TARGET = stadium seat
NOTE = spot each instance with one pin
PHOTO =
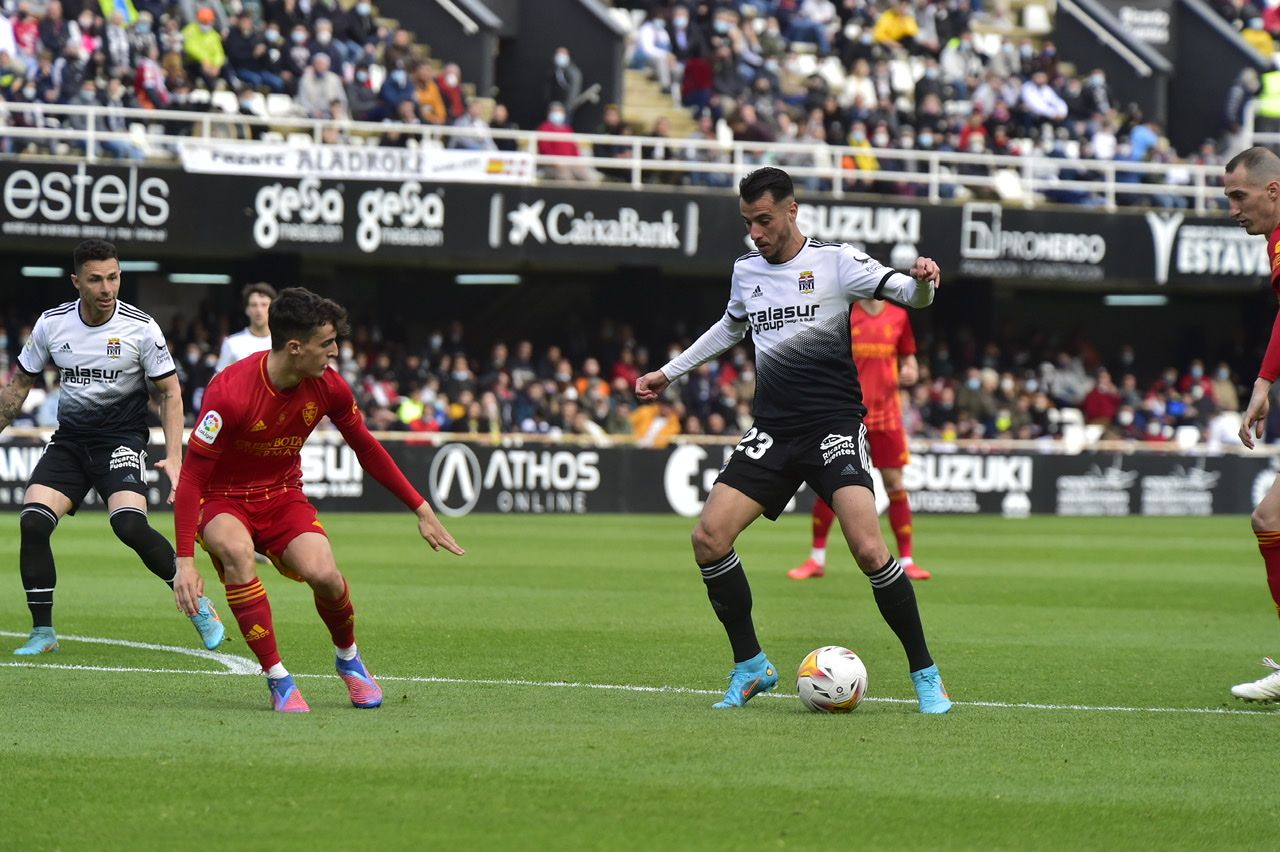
(300, 140)
(279, 105)
(200, 96)
(1186, 437)
(226, 101)
(1035, 18)
(1008, 185)
(273, 137)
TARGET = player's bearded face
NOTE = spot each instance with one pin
(769, 224)
(98, 284)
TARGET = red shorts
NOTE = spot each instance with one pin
(272, 524)
(888, 448)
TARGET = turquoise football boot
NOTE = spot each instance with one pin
(930, 691)
(42, 641)
(208, 624)
(747, 680)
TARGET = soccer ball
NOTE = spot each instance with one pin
(832, 680)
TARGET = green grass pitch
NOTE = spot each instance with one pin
(1127, 633)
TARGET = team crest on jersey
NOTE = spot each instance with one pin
(309, 413)
(806, 281)
(209, 427)
(113, 347)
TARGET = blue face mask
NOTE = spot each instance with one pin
(399, 77)
(363, 9)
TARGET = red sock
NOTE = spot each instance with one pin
(249, 604)
(900, 521)
(822, 518)
(340, 617)
(1269, 547)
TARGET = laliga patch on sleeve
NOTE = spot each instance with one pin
(209, 427)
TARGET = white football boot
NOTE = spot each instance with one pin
(1267, 689)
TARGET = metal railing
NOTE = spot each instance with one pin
(1028, 180)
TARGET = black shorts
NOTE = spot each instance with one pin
(73, 466)
(769, 470)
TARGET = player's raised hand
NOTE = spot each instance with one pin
(434, 533)
(651, 385)
(1254, 420)
(188, 586)
(924, 269)
(173, 469)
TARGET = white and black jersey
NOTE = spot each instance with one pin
(103, 368)
(798, 316)
(238, 346)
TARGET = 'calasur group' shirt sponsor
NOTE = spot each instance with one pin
(103, 368)
(257, 430)
(798, 315)
(879, 341)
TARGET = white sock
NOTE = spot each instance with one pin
(819, 555)
(905, 561)
(277, 671)
(347, 653)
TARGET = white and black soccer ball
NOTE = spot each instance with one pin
(832, 679)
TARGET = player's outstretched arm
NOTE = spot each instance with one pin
(170, 395)
(12, 396)
(433, 532)
(1254, 420)
(651, 385)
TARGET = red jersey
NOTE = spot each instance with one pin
(256, 431)
(1271, 360)
(878, 343)
(247, 444)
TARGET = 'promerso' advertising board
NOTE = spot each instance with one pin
(461, 478)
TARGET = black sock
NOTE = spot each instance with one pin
(35, 561)
(897, 601)
(130, 526)
(730, 596)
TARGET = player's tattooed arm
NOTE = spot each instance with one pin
(169, 395)
(12, 396)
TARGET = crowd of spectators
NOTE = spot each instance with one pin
(328, 60)
(880, 77)
(886, 76)
(452, 381)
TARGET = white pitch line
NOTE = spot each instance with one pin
(670, 690)
(237, 665)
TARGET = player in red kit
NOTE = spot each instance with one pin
(241, 488)
(884, 351)
(1252, 188)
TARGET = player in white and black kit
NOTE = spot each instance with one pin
(794, 295)
(106, 351)
(255, 338)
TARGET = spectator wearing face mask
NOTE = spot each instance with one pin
(564, 83)
(362, 100)
(246, 54)
(395, 89)
(323, 42)
(362, 29)
(1257, 37)
(561, 144)
(449, 83)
